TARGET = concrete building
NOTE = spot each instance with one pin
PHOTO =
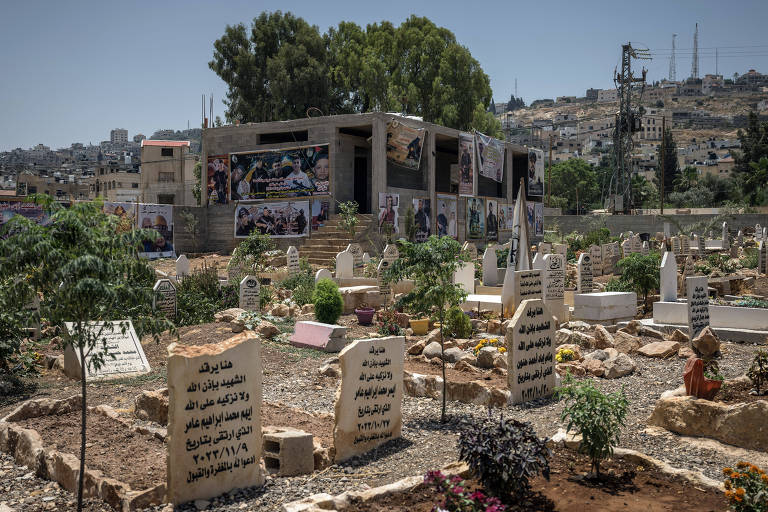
(57, 184)
(115, 182)
(607, 95)
(167, 172)
(118, 136)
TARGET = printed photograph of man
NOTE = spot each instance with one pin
(388, 204)
(492, 224)
(422, 218)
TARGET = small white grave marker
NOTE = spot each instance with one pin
(345, 265)
(668, 278)
(182, 266)
(490, 268)
(249, 293)
(292, 255)
(126, 348)
(584, 281)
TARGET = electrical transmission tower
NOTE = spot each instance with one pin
(672, 64)
(695, 63)
(628, 120)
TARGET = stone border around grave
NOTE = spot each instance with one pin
(475, 392)
(26, 447)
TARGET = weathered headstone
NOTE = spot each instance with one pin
(531, 352)
(538, 261)
(765, 233)
(700, 246)
(465, 276)
(319, 336)
(626, 248)
(645, 250)
(758, 232)
(126, 348)
(357, 257)
(667, 230)
(471, 248)
(545, 248)
(164, 297)
(740, 238)
(490, 267)
(214, 418)
(249, 293)
(726, 238)
(597, 260)
(366, 258)
(560, 249)
(527, 285)
(384, 289)
(688, 271)
(607, 250)
(698, 304)
(676, 249)
(368, 410)
(637, 246)
(584, 282)
(182, 266)
(554, 284)
(292, 255)
(345, 265)
(668, 278)
(323, 273)
(390, 253)
(762, 253)
(685, 245)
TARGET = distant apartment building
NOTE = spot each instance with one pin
(591, 94)
(118, 136)
(167, 172)
(115, 182)
(607, 95)
(56, 184)
(691, 87)
(712, 84)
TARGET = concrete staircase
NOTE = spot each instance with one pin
(331, 239)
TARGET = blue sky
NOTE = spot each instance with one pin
(73, 70)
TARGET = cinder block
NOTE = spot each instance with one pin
(288, 452)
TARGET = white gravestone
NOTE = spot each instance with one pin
(368, 410)
(538, 261)
(626, 248)
(345, 265)
(554, 284)
(645, 250)
(668, 278)
(490, 268)
(323, 273)
(740, 238)
(366, 258)
(530, 343)
(726, 238)
(384, 288)
(214, 418)
(597, 260)
(182, 266)
(129, 358)
(667, 230)
(249, 293)
(698, 304)
(527, 285)
(637, 246)
(758, 232)
(765, 233)
(164, 297)
(465, 276)
(357, 258)
(584, 282)
(292, 255)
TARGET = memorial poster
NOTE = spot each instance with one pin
(447, 220)
(279, 220)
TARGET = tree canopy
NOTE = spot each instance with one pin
(572, 179)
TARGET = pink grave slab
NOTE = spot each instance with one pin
(326, 337)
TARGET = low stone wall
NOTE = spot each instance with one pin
(618, 224)
(475, 392)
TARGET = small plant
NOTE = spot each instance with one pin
(504, 455)
(302, 284)
(266, 296)
(751, 302)
(370, 269)
(458, 498)
(641, 273)
(565, 355)
(348, 212)
(457, 324)
(758, 372)
(746, 488)
(251, 252)
(386, 320)
(721, 262)
(489, 342)
(501, 257)
(750, 258)
(328, 301)
(598, 417)
(199, 296)
(617, 285)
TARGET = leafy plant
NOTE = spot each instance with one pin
(13, 320)
(598, 417)
(348, 212)
(501, 257)
(191, 221)
(457, 324)
(746, 488)
(616, 284)
(251, 252)
(266, 296)
(750, 302)
(328, 301)
(758, 371)
(641, 272)
(721, 262)
(458, 498)
(386, 319)
(504, 455)
(749, 258)
(302, 284)
(200, 296)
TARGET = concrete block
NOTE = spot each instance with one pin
(326, 337)
(288, 452)
(604, 307)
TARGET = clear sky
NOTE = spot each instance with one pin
(73, 70)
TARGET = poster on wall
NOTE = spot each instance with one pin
(218, 179)
(32, 211)
(492, 219)
(404, 144)
(286, 219)
(160, 218)
(125, 211)
(475, 218)
(423, 218)
(466, 164)
(538, 213)
(508, 217)
(490, 152)
(321, 209)
(446, 216)
(529, 215)
(280, 173)
(388, 212)
(535, 172)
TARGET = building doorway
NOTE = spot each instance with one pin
(361, 184)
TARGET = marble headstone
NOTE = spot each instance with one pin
(538, 261)
(698, 304)
(249, 293)
(584, 283)
(385, 291)
(490, 268)
(357, 257)
(292, 255)
(129, 358)
(465, 276)
(182, 266)
(527, 285)
(323, 273)
(164, 297)
(668, 278)
(345, 264)
(597, 260)
(530, 339)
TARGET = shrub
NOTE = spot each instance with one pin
(458, 498)
(641, 273)
(328, 302)
(302, 284)
(746, 488)
(250, 253)
(348, 212)
(266, 296)
(617, 285)
(596, 416)
(458, 324)
(504, 455)
(501, 257)
(387, 322)
(750, 257)
(199, 296)
(758, 372)
(721, 262)
(12, 321)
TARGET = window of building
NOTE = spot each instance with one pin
(166, 177)
(165, 198)
(166, 151)
(134, 185)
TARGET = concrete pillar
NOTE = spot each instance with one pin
(430, 150)
(379, 162)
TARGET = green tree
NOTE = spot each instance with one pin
(644, 192)
(641, 273)
(575, 177)
(671, 167)
(686, 178)
(431, 265)
(756, 182)
(754, 144)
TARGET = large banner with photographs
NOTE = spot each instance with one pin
(491, 157)
(287, 219)
(475, 219)
(404, 144)
(423, 218)
(127, 213)
(535, 172)
(160, 218)
(218, 179)
(447, 207)
(32, 211)
(388, 211)
(466, 164)
(280, 173)
(538, 215)
(492, 219)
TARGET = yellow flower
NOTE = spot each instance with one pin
(727, 471)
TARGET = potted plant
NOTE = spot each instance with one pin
(364, 314)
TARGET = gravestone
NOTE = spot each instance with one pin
(726, 238)
(637, 246)
(762, 255)
(368, 409)
(667, 230)
(214, 418)
(319, 336)
(129, 355)
(384, 289)
(668, 278)
(390, 253)
(688, 271)
(472, 249)
(740, 238)
(554, 284)
(645, 250)
(698, 304)
(182, 266)
(607, 250)
(584, 283)
(758, 232)
(490, 268)
(164, 297)
(765, 233)
(676, 249)
(560, 249)
(545, 248)
(345, 265)
(527, 285)
(701, 246)
(626, 248)
(465, 276)
(538, 261)
(357, 258)
(249, 293)
(292, 255)
(597, 260)
(530, 340)
(323, 273)
(685, 245)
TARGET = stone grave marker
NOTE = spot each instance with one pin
(554, 284)
(472, 248)
(390, 253)
(726, 238)
(607, 250)
(527, 285)
(626, 248)
(249, 293)
(530, 343)
(126, 347)
(597, 260)
(584, 283)
(560, 249)
(292, 255)
(345, 265)
(320, 336)
(637, 246)
(182, 266)
(538, 261)
(740, 238)
(234, 270)
(758, 232)
(668, 277)
(688, 271)
(214, 418)
(385, 291)
(323, 273)
(465, 276)
(765, 233)
(366, 259)
(698, 304)
(490, 267)
(645, 250)
(667, 230)
(762, 254)
(701, 246)
(368, 409)
(545, 248)
(357, 258)
(676, 249)
(685, 245)
(164, 297)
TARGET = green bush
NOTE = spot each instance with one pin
(302, 284)
(328, 302)
(596, 416)
(199, 296)
(721, 262)
(750, 258)
(617, 285)
(266, 296)
(13, 318)
(641, 273)
(746, 488)
(458, 324)
(250, 253)
(758, 371)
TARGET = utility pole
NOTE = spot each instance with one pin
(695, 63)
(663, 157)
(549, 185)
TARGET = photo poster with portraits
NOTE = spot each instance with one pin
(404, 144)
(388, 212)
(280, 173)
(422, 208)
(466, 164)
(530, 215)
(29, 210)
(475, 218)
(218, 179)
(538, 216)
(160, 218)
(492, 219)
(490, 153)
(506, 216)
(447, 216)
(125, 211)
(535, 172)
(321, 211)
(284, 219)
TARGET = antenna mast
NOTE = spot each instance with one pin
(672, 64)
(695, 63)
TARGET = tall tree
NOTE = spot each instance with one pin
(754, 144)
(515, 103)
(576, 181)
(671, 167)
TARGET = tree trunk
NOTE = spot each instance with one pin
(82, 431)
(442, 356)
